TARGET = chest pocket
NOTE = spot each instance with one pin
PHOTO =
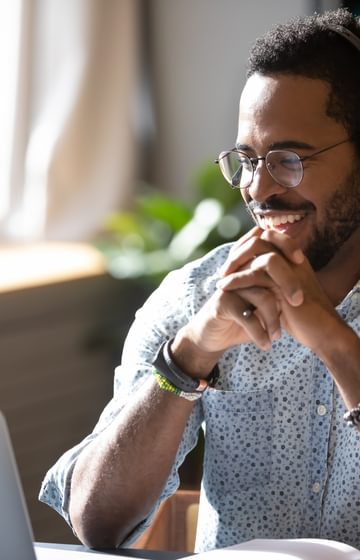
(238, 439)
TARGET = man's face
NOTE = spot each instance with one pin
(289, 112)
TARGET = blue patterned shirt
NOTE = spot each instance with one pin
(279, 460)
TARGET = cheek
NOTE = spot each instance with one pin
(318, 188)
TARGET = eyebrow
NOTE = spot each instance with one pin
(281, 145)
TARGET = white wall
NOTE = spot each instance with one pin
(199, 51)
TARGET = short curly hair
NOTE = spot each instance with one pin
(306, 46)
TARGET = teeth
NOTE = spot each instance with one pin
(268, 222)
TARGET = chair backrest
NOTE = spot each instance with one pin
(174, 526)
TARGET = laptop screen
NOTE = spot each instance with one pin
(16, 539)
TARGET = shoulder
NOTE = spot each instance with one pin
(209, 264)
(183, 291)
(198, 274)
(196, 280)
(203, 274)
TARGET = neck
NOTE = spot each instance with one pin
(340, 275)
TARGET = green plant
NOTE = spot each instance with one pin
(162, 232)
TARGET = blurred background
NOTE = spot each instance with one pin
(100, 95)
(111, 115)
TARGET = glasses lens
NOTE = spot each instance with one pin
(236, 168)
(285, 167)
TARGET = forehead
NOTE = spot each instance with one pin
(284, 107)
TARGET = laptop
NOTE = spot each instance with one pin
(16, 536)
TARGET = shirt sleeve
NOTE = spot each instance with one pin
(160, 318)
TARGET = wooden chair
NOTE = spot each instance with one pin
(174, 526)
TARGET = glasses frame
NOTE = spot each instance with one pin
(255, 160)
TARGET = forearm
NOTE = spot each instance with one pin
(341, 355)
(120, 475)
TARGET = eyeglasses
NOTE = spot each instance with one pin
(284, 166)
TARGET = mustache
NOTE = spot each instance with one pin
(278, 205)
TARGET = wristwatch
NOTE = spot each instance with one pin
(165, 365)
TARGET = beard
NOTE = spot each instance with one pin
(341, 219)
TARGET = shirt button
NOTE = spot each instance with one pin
(321, 410)
(316, 487)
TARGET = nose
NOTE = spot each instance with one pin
(263, 185)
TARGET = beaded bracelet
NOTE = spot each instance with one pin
(352, 416)
(165, 385)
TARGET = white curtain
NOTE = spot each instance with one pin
(70, 139)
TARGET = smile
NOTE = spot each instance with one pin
(270, 222)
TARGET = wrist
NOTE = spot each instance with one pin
(191, 358)
(173, 379)
(343, 342)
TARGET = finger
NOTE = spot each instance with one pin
(264, 305)
(243, 253)
(254, 245)
(246, 278)
(241, 245)
(248, 311)
(233, 307)
(253, 232)
(270, 271)
(283, 275)
(266, 309)
(288, 247)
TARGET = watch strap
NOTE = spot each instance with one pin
(166, 366)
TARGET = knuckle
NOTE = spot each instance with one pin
(266, 235)
(273, 258)
(272, 261)
(266, 261)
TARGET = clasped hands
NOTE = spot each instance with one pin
(266, 271)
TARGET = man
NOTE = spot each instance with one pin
(264, 334)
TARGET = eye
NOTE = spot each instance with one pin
(290, 161)
(284, 160)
